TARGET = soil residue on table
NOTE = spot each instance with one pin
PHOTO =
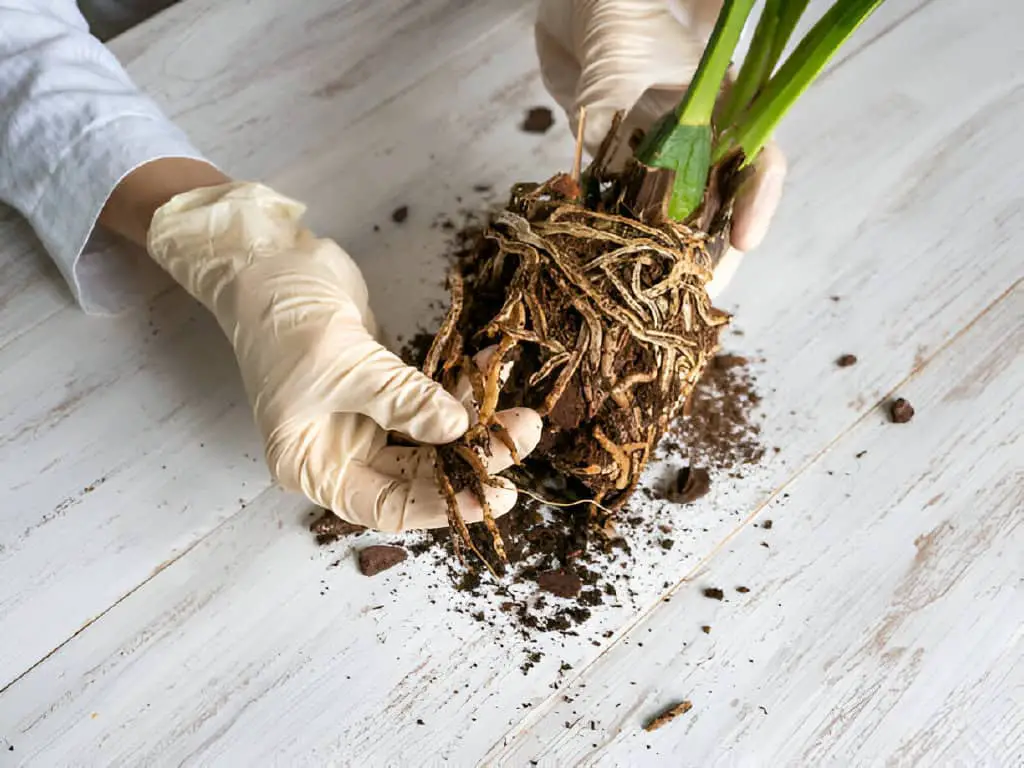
(901, 411)
(538, 120)
(558, 570)
(329, 528)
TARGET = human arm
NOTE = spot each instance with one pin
(79, 144)
(72, 127)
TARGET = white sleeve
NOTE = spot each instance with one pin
(72, 125)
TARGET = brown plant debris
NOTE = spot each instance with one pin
(845, 361)
(668, 715)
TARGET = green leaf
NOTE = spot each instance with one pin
(687, 151)
(756, 66)
(789, 12)
(794, 76)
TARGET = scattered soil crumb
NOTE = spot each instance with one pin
(743, 590)
(706, 629)
(329, 528)
(846, 361)
(860, 454)
(538, 120)
(380, 557)
(714, 593)
(690, 484)
(717, 430)
(767, 525)
(668, 715)
(560, 583)
(901, 411)
(400, 214)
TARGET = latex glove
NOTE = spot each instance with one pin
(324, 392)
(639, 56)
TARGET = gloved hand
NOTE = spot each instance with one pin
(639, 56)
(324, 392)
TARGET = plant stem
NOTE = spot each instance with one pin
(794, 76)
(698, 103)
(778, 20)
(789, 14)
(756, 66)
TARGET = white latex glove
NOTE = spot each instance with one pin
(324, 392)
(639, 56)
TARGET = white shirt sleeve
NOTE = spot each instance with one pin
(72, 125)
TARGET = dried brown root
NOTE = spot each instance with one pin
(480, 478)
(668, 716)
(455, 520)
(600, 304)
(440, 347)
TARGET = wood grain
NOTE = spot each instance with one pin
(175, 615)
(884, 624)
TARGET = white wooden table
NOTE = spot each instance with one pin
(160, 601)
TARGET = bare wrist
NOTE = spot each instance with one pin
(130, 207)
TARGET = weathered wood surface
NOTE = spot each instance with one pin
(161, 603)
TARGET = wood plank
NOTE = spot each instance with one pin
(276, 669)
(124, 441)
(884, 624)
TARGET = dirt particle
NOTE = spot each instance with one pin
(717, 429)
(713, 593)
(329, 528)
(538, 120)
(379, 557)
(560, 583)
(845, 361)
(767, 525)
(743, 590)
(690, 484)
(706, 629)
(400, 214)
(901, 411)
